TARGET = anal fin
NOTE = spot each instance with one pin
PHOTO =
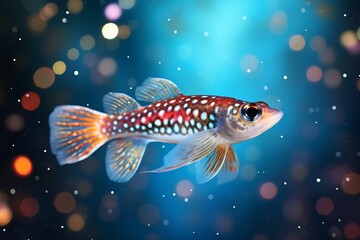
(123, 158)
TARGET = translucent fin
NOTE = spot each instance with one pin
(230, 168)
(191, 149)
(115, 103)
(123, 158)
(75, 133)
(156, 89)
(209, 167)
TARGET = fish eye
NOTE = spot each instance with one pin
(251, 112)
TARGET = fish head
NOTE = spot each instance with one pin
(251, 119)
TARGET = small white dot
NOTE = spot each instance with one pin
(344, 75)
(76, 192)
(67, 12)
(333, 107)
(12, 191)
(175, 31)
(285, 77)
(178, 68)
(244, 18)
(318, 180)
(112, 192)
(206, 34)
(345, 15)
(76, 72)
(210, 197)
(64, 20)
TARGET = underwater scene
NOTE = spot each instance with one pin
(229, 66)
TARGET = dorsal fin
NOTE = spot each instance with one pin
(115, 103)
(156, 89)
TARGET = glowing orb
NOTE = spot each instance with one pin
(30, 101)
(64, 202)
(5, 214)
(44, 77)
(127, 4)
(22, 166)
(59, 67)
(29, 207)
(268, 190)
(76, 222)
(110, 31)
(113, 11)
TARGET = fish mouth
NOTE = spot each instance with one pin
(274, 117)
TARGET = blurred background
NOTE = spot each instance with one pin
(299, 180)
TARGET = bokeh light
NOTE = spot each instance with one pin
(64, 202)
(351, 183)
(76, 222)
(248, 172)
(297, 42)
(75, 6)
(332, 78)
(324, 206)
(59, 67)
(35, 24)
(73, 54)
(350, 41)
(184, 188)
(87, 42)
(314, 74)
(127, 4)
(327, 56)
(293, 209)
(112, 12)
(124, 31)
(5, 214)
(48, 11)
(107, 67)
(352, 230)
(30, 101)
(149, 214)
(44, 77)
(278, 23)
(249, 63)
(29, 207)
(318, 44)
(268, 190)
(110, 30)
(15, 122)
(22, 166)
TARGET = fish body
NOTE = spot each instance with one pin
(204, 127)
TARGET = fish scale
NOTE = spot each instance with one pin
(203, 127)
(169, 117)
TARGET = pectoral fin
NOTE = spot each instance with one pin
(230, 168)
(190, 150)
(210, 166)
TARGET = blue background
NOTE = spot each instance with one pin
(208, 54)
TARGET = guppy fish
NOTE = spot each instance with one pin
(204, 127)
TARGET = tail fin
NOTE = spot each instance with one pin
(75, 133)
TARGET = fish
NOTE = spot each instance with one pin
(203, 127)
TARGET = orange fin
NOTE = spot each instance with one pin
(209, 167)
(230, 168)
(75, 133)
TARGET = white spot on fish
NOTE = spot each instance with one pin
(137, 126)
(195, 130)
(237, 104)
(111, 116)
(158, 105)
(211, 125)
(235, 111)
(169, 130)
(132, 113)
(213, 97)
(183, 130)
(165, 121)
(196, 112)
(157, 122)
(131, 129)
(120, 117)
(133, 119)
(205, 127)
(172, 121)
(186, 123)
(177, 108)
(212, 104)
(103, 130)
(143, 127)
(156, 130)
(188, 111)
(149, 114)
(143, 119)
(119, 130)
(188, 99)
(115, 122)
(150, 132)
(203, 101)
(172, 101)
(114, 127)
(149, 125)
(203, 116)
(190, 131)
(204, 96)
(169, 108)
(162, 130)
(126, 125)
(165, 104)
(180, 119)
(198, 125)
(216, 110)
(212, 117)
(138, 115)
(161, 113)
(195, 101)
(176, 128)
(145, 110)
(192, 122)
(186, 105)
